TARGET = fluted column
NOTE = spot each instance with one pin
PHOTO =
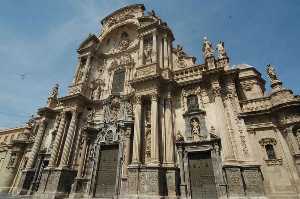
(37, 143)
(169, 159)
(68, 141)
(154, 130)
(137, 131)
(57, 140)
(83, 154)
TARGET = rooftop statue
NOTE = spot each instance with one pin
(207, 48)
(221, 50)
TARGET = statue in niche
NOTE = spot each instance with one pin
(148, 55)
(147, 133)
(221, 50)
(147, 143)
(207, 48)
(272, 73)
(195, 129)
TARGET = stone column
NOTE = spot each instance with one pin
(126, 151)
(37, 143)
(154, 51)
(141, 57)
(154, 130)
(170, 54)
(137, 131)
(223, 127)
(68, 141)
(166, 63)
(169, 158)
(56, 143)
(83, 154)
(87, 68)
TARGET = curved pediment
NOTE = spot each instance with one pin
(119, 39)
(88, 42)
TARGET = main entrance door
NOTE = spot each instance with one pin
(107, 172)
(202, 178)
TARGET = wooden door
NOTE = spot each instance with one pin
(202, 177)
(107, 172)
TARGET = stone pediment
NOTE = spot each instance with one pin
(123, 14)
(88, 42)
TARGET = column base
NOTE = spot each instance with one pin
(147, 181)
(25, 181)
(55, 183)
(244, 181)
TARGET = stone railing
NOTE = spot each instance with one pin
(188, 74)
(256, 104)
(146, 71)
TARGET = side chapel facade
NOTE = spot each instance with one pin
(142, 120)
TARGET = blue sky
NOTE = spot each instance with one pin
(38, 41)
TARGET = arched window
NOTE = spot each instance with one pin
(270, 151)
(192, 103)
(124, 35)
(118, 82)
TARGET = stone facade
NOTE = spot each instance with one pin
(143, 120)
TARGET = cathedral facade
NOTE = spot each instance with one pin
(142, 120)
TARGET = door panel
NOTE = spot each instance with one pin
(202, 178)
(107, 171)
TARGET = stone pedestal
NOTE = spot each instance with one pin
(244, 181)
(253, 182)
(171, 179)
(234, 179)
(152, 182)
(56, 183)
(80, 188)
(25, 181)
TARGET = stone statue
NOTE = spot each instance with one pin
(52, 99)
(148, 55)
(272, 73)
(207, 48)
(179, 136)
(54, 92)
(221, 50)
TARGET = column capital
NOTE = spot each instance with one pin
(154, 96)
(138, 99)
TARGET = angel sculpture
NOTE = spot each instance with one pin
(221, 50)
(207, 48)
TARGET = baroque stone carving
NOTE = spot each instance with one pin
(119, 17)
(221, 50)
(272, 73)
(207, 48)
(195, 128)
